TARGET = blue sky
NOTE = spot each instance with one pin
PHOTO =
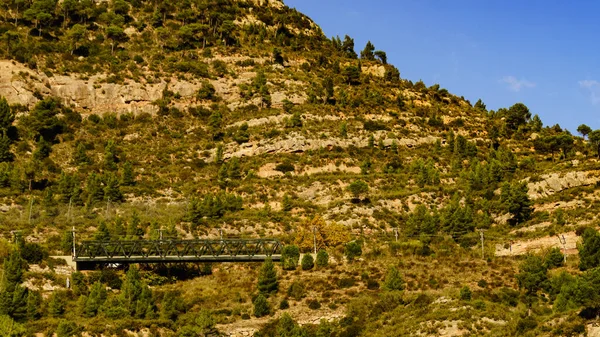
(544, 54)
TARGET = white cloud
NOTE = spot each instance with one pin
(516, 85)
(593, 88)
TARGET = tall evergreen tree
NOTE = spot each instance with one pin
(267, 278)
(80, 156)
(381, 55)
(110, 155)
(112, 190)
(584, 130)
(95, 300)
(367, 53)
(34, 303)
(5, 154)
(393, 280)
(348, 47)
(7, 117)
(94, 189)
(128, 178)
(57, 304)
(133, 291)
(517, 202)
(42, 149)
(13, 297)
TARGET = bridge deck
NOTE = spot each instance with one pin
(90, 254)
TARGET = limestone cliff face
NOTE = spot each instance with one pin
(21, 85)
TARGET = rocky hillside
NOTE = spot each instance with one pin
(126, 118)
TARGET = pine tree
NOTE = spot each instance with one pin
(308, 262)
(289, 257)
(348, 47)
(102, 233)
(5, 154)
(78, 284)
(80, 156)
(234, 171)
(57, 304)
(393, 280)
(112, 190)
(133, 227)
(367, 53)
(219, 154)
(132, 289)
(42, 150)
(381, 55)
(261, 306)
(322, 258)
(95, 300)
(267, 278)
(34, 302)
(517, 202)
(94, 189)
(110, 155)
(286, 203)
(65, 187)
(10, 328)
(242, 135)
(7, 117)
(13, 297)
(128, 178)
(12, 271)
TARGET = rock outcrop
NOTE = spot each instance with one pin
(21, 85)
(556, 182)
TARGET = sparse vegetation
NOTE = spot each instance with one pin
(244, 120)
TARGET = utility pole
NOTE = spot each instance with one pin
(74, 253)
(396, 233)
(160, 235)
(563, 241)
(221, 233)
(482, 242)
(315, 239)
(107, 205)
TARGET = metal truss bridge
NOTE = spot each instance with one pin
(91, 254)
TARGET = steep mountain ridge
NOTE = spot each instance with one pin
(240, 118)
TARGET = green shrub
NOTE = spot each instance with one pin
(465, 293)
(322, 258)
(67, 329)
(307, 262)
(346, 282)
(526, 324)
(261, 306)
(290, 254)
(285, 167)
(352, 250)
(95, 119)
(296, 291)
(372, 284)
(554, 258)
(284, 304)
(313, 304)
(33, 252)
(393, 280)
(482, 283)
